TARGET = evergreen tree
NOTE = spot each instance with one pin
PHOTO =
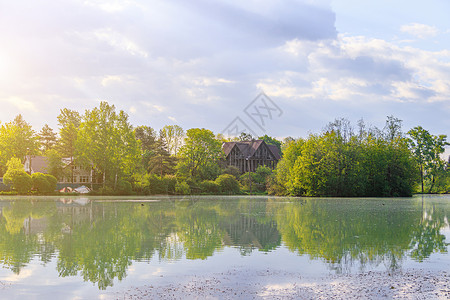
(47, 138)
(161, 162)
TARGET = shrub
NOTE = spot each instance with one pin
(155, 185)
(40, 183)
(228, 184)
(170, 181)
(124, 187)
(52, 181)
(43, 183)
(182, 188)
(210, 187)
(232, 170)
(19, 180)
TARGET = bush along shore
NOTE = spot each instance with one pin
(120, 159)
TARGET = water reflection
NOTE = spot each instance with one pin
(100, 240)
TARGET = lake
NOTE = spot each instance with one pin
(93, 247)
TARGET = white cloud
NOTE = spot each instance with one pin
(420, 31)
(200, 62)
(119, 41)
(21, 104)
(111, 79)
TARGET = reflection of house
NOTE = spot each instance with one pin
(250, 155)
(74, 173)
(248, 233)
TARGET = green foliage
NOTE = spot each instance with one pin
(260, 177)
(43, 183)
(271, 141)
(55, 165)
(171, 182)
(147, 137)
(124, 187)
(52, 181)
(200, 155)
(340, 163)
(210, 187)
(182, 188)
(17, 139)
(161, 162)
(427, 149)
(69, 123)
(19, 180)
(232, 170)
(173, 135)
(228, 184)
(47, 138)
(257, 179)
(107, 141)
(14, 164)
(155, 185)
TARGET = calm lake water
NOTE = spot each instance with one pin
(80, 247)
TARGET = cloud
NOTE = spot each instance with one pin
(420, 31)
(201, 62)
(21, 104)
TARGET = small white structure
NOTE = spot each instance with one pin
(82, 189)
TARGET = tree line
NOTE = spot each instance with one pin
(340, 161)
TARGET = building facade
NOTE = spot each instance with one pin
(73, 173)
(249, 155)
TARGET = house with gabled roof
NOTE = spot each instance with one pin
(75, 174)
(249, 155)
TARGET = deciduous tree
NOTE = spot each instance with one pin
(107, 141)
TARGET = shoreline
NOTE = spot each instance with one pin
(271, 284)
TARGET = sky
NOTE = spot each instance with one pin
(204, 63)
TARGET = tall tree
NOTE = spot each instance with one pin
(173, 135)
(200, 154)
(47, 138)
(427, 149)
(69, 122)
(107, 141)
(148, 141)
(17, 139)
(161, 162)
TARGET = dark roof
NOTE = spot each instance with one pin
(275, 151)
(248, 148)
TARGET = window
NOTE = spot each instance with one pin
(84, 179)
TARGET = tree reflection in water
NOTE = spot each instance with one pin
(100, 240)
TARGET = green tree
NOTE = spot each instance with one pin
(17, 177)
(148, 141)
(55, 165)
(173, 135)
(161, 162)
(340, 163)
(200, 155)
(17, 139)
(69, 122)
(47, 138)
(106, 140)
(271, 141)
(427, 149)
(245, 137)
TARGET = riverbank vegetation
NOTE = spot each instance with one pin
(342, 160)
